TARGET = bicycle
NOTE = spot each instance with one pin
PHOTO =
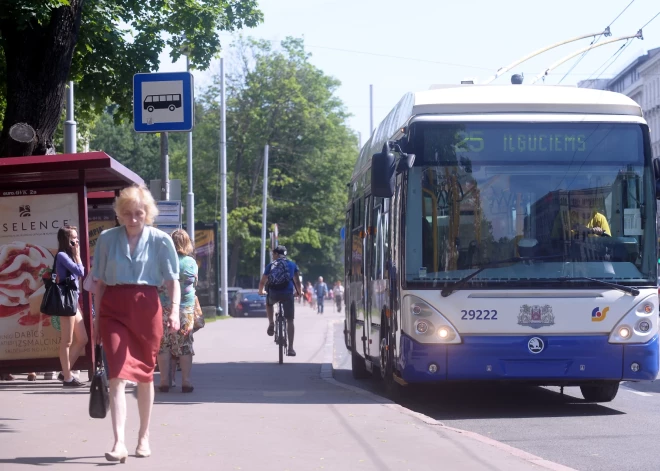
(280, 331)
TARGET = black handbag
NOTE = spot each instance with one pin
(60, 299)
(99, 397)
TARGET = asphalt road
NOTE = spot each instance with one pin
(620, 435)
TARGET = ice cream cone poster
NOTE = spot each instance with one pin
(28, 244)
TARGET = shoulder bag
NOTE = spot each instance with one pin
(60, 299)
(99, 397)
(199, 316)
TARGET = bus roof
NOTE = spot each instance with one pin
(494, 99)
(522, 99)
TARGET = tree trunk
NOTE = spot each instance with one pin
(38, 60)
(236, 247)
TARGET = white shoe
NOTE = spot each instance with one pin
(131, 384)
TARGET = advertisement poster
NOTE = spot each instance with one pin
(205, 256)
(28, 243)
(100, 218)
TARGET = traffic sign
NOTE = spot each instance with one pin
(169, 212)
(163, 102)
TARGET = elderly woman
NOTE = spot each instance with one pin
(130, 263)
(179, 345)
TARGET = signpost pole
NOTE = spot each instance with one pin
(70, 123)
(223, 178)
(164, 167)
(190, 197)
(264, 212)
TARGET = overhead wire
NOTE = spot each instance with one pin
(594, 41)
(618, 53)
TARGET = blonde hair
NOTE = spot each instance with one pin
(182, 243)
(133, 196)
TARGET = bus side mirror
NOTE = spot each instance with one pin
(383, 172)
(405, 162)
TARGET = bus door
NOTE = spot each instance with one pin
(372, 319)
(356, 272)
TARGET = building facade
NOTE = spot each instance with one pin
(640, 80)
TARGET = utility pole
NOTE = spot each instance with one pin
(164, 167)
(264, 212)
(223, 196)
(70, 124)
(371, 109)
(190, 198)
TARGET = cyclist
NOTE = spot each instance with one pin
(282, 278)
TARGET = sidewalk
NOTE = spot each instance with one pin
(246, 413)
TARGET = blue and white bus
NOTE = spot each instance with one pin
(505, 233)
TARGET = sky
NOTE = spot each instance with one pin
(403, 46)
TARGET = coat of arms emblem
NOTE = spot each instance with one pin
(536, 316)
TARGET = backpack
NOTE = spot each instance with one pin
(280, 275)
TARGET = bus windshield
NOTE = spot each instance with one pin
(563, 200)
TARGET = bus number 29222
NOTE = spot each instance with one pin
(479, 315)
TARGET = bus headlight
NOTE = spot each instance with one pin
(425, 323)
(639, 325)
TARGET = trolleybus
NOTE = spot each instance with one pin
(505, 233)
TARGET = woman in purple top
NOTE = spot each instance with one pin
(74, 335)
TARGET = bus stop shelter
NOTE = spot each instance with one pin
(39, 195)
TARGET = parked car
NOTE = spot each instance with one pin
(231, 291)
(248, 302)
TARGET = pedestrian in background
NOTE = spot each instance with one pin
(178, 346)
(72, 328)
(321, 290)
(130, 263)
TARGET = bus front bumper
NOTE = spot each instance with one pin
(563, 360)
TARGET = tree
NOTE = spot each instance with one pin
(277, 97)
(99, 45)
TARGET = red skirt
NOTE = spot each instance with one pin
(131, 323)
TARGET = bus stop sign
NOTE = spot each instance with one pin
(163, 102)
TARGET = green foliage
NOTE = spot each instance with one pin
(137, 151)
(119, 38)
(275, 97)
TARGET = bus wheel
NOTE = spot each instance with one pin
(393, 389)
(601, 393)
(358, 367)
(150, 109)
(172, 107)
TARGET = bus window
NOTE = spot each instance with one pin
(149, 99)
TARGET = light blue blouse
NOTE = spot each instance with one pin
(153, 261)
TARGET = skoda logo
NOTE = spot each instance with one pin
(535, 345)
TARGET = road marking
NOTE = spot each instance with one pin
(521, 454)
(639, 393)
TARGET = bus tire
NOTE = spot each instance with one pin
(150, 109)
(358, 366)
(600, 393)
(393, 390)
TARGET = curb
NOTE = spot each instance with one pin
(327, 374)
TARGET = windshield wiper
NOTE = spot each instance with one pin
(463, 281)
(625, 289)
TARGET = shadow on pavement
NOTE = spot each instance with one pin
(258, 383)
(5, 428)
(485, 401)
(51, 460)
